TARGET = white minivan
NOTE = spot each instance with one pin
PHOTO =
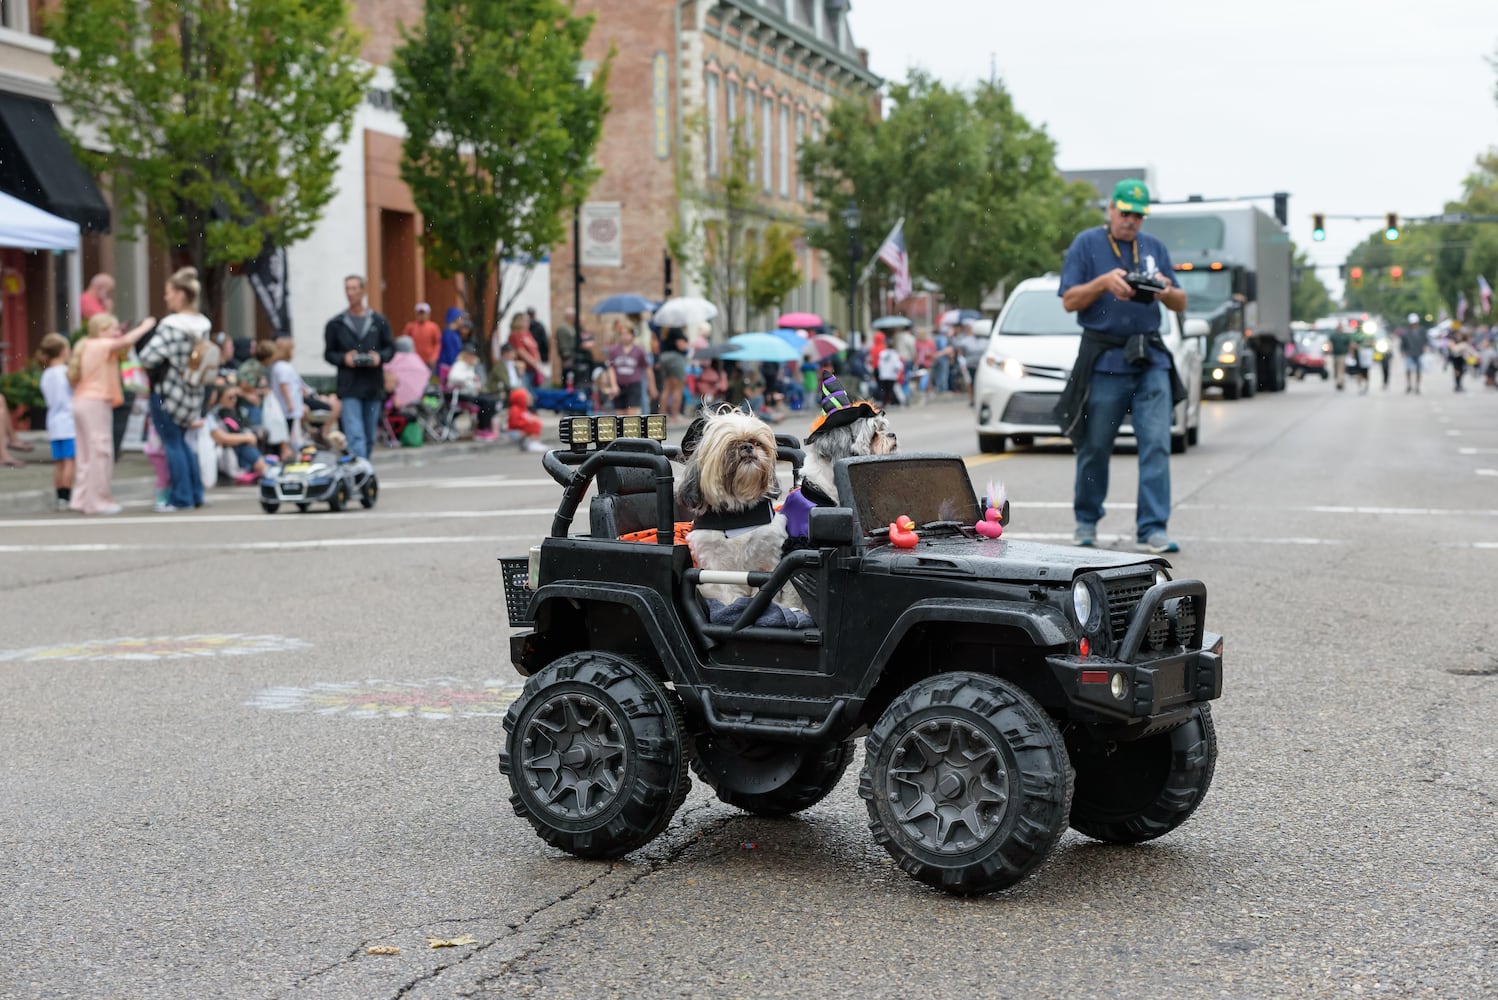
(1030, 356)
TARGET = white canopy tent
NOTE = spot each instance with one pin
(26, 227)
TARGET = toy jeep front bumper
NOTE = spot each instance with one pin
(1145, 691)
(1153, 665)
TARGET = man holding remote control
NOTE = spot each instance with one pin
(1115, 278)
(358, 343)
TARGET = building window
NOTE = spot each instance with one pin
(13, 15)
(800, 140)
(751, 112)
(785, 151)
(732, 93)
(711, 100)
(806, 13)
(769, 143)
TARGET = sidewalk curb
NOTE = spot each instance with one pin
(143, 488)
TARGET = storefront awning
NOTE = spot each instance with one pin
(37, 166)
(26, 227)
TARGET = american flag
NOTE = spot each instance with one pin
(1485, 292)
(1461, 306)
(892, 252)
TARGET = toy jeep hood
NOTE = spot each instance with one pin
(995, 559)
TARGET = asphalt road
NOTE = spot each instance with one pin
(239, 750)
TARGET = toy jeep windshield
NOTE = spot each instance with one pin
(1006, 689)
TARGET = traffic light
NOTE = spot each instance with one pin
(1355, 277)
(1396, 275)
(1318, 227)
(1391, 226)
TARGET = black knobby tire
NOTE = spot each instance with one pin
(339, 498)
(1132, 792)
(967, 782)
(1232, 390)
(993, 444)
(268, 507)
(594, 751)
(769, 779)
(370, 494)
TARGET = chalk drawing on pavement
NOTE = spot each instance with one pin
(438, 698)
(160, 647)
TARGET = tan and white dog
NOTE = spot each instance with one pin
(729, 487)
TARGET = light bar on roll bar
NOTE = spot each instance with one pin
(582, 433)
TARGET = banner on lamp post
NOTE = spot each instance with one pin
(602, 234)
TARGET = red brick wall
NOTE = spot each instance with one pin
(381, 20)
(632, 175)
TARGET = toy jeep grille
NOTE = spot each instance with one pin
(1123, 597)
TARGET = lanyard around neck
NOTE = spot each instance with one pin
(1118, 253)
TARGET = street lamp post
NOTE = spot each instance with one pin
(851, 219)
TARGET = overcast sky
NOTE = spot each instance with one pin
(1355, 108)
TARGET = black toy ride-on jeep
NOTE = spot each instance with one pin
(1007, 689)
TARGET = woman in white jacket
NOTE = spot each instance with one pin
(177, 396)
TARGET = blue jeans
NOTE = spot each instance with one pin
(1147, 394)
(181, 462)
(360, 420)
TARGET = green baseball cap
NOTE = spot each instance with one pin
(1131, 195)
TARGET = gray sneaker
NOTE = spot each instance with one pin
(1085, 535)
(1159, 543)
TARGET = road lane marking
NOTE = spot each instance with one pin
(161, 647)
(350, 517)
(307, 543)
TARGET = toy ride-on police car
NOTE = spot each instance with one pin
(1007, 689)
(319, 476)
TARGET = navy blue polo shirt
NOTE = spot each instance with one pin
(1090, 255)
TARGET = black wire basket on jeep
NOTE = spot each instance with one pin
(1007, 689)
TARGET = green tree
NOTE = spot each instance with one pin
(218, 123)
(500, 134)
(974, 180)
(1417, 252)
(773, 270)
(1309, 298)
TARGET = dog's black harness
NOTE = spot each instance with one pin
(753, 517)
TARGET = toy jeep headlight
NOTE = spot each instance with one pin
(1088, 603)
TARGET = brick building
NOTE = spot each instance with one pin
(771, 68)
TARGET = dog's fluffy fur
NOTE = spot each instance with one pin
(336, 441)
(869, 436)
(732, 470)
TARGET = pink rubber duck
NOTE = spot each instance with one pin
(989, 527)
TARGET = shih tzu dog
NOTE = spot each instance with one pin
(843, 429)
(728, 487)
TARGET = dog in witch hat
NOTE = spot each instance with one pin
(843, 429)
(728, 486)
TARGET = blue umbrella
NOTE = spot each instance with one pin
(792, 337)
(628, 303)
(761, 347)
